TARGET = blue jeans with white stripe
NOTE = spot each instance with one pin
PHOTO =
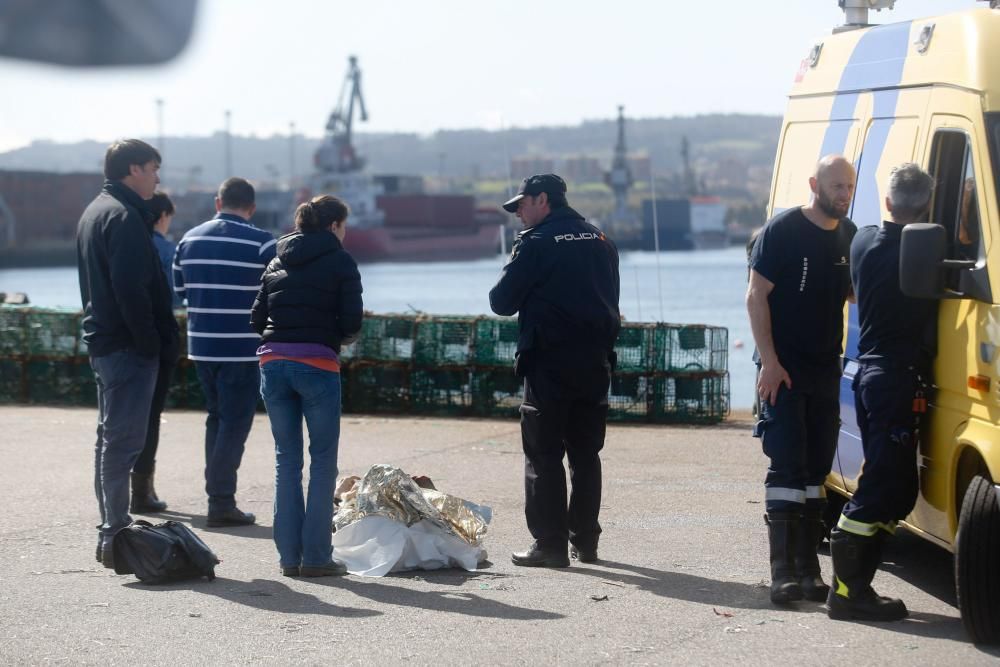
(293, 391)
(799, 434)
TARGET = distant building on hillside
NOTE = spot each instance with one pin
(583, 169)
(522, 167)
(640, 166)
(728, 173)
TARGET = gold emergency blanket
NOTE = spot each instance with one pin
(390, 492)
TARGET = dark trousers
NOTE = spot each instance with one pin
(799, 434)
(887, 489)
(231, 393)
(125, 381)
(564, 413)
(146, 462)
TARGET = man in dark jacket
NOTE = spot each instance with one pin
(562, 280)
(127, 322)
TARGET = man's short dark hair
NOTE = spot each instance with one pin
(124, 153)
(237, 194)
(910, 189)
(160, 204)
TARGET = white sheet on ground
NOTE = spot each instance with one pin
(376, 545)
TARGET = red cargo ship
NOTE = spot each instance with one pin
(392, 219)
(424, 227)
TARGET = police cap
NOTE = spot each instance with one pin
(534, 186)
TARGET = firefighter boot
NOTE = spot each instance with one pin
(811, 531)
(781, 529)
(144, 500)
(855, 560)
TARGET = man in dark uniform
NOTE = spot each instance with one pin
(799, 281)
(562, 280)
(895, 350)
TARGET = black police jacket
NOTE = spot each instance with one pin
(310, 293)
(125, 296)
(562, 281)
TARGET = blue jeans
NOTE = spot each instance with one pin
(230, 389)
(125, 382)
(291, 391)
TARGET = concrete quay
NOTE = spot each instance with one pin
(682, 580)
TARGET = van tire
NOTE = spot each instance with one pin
(977, 554)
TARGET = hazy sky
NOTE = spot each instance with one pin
(439, 64)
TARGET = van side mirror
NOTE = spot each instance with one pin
(922, 262)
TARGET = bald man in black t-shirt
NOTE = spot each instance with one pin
(799, 281)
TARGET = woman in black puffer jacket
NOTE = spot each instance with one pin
(309, 305)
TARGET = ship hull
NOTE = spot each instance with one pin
(387, 244)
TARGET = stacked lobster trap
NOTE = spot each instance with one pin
(408, 364)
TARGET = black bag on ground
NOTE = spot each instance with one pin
(159, 554)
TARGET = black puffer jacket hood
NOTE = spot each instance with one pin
(296, 249)
(310, 293)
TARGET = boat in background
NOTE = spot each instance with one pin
(392, 218)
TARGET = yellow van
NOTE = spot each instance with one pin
(926, 91)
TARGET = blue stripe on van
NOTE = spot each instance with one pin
(876, 62)
(841, 115)
(878, 58)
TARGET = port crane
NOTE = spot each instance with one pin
(619, 179)
(336, 153)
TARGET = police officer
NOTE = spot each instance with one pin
(895, 350)
(562, 280)
(799, 280)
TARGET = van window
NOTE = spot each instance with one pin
(967, 238)
(802, 147)
(993, 126)
(955, 205)
(897, 137)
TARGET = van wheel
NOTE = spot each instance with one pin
(977, 552)
(831, 512)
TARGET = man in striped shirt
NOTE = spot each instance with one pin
(217, 269)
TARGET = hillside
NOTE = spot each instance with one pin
(746, 143)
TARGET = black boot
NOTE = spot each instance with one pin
(781, 529)
(144, 500)
(541, 555)
(855, 561)
(811, 531)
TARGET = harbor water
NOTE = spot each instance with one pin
(705, 287)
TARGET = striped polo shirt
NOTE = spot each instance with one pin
(217, 269)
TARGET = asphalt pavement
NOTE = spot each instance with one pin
(683, 578)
